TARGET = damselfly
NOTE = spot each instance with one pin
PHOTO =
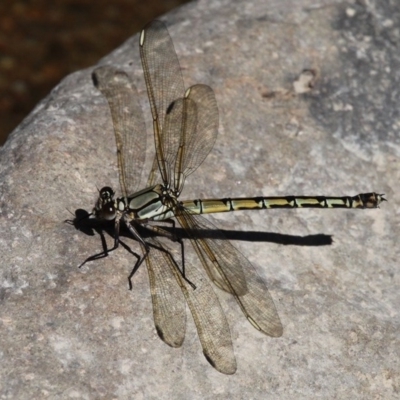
(185, 127)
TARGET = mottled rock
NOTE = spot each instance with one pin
(309, 104)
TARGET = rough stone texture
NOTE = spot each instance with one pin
(79, 333)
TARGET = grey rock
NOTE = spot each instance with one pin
(332, 130)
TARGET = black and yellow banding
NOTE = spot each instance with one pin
(209, 206)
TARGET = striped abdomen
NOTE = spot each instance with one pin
(208, 206)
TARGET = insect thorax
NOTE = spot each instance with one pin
(152, 203)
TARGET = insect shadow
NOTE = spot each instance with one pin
(91, 226)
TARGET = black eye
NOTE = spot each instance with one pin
(106, 193)
(107, 211)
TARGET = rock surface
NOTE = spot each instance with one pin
(309, 104)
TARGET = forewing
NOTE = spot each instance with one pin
(128, 122)
(180, 122)
(200, 130)
(168, 301)
(163, 78)
(231, 271)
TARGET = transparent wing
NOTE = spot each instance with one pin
(164, 83)
(168, 301)
(232, 272)
(199, 132)
(212, 326)
(128, 122)
(175, 128)
(185, 127)
(189, 133)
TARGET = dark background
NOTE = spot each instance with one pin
(41, 41)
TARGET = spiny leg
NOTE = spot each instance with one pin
(106, 251)
(162, 249)
(146, 246)
(170, 235)
(173, 237)
(138, 264)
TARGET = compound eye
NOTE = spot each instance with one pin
(108, 211)
(106, 193)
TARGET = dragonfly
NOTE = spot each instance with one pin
(185, 125)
